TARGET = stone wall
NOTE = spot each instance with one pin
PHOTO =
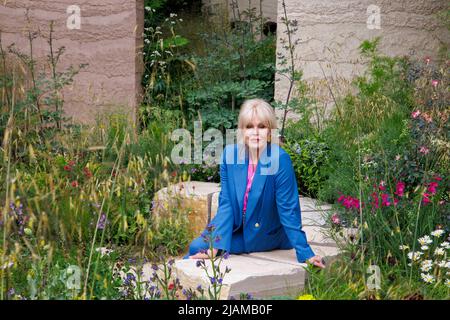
(108, 40)
(330, 32)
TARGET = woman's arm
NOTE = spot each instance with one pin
(289, 208)
(224, 219)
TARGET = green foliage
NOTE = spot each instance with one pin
(310, 158)
(172, 234)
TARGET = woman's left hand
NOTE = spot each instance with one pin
(317, 261)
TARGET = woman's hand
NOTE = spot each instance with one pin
(317, 261)
(204, 255)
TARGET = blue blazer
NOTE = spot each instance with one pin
(273, 214)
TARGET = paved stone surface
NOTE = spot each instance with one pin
(260, 277)
(262, 274)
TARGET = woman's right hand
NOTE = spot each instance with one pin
(206, 255)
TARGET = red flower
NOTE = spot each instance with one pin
(174, 174)
(381, 186)
(432, 187)
(170, 287)
(67, 168)
(75, 184)
(426, 198)
(87, 172)
(349, 202)
(375, 201)
(71, 163)
(385, 200)
(400, 189)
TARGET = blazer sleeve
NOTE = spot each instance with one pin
(224, 219)
(288, 206)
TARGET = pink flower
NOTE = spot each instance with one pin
(385, 200)
(426, 198)
(395, 201)
(415, 114)
(335, 219)
(382, 186)
(349, 202)
(437, 178)
(427, 117)
(432, 187)
(400, 189)
(434, 83)
(424, 150)
(375, 201)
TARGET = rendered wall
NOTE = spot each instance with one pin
(109, 38)
(330, 33)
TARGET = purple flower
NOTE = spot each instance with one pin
(155, 267)
(102, 222)
(226, 255)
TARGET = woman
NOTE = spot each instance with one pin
(259, 208)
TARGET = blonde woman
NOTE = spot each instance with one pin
(259, 207)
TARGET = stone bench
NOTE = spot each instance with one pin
(262, 274)
(200, 200)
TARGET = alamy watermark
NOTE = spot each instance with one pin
(74, 19)
(189, 149)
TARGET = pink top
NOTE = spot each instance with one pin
(250, 175)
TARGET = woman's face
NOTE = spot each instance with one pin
(256, 134)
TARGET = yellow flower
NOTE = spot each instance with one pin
(306, 297)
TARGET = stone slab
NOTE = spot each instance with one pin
(262, 278)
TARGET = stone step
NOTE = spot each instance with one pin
(200, 201)
(262, 274)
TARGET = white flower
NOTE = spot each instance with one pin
(424, 247)
(425, 240)
(403, 247)
(445, 245)
(440, 264)
(173, 15)
(428, 278)
(426, 265)
(439, 251)
(437, 233)
(148, 8)
(414, 256)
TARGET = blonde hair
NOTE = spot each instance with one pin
(263, 111)
(259, 108)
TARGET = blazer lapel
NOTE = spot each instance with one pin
(240, 174)
(255, 191)
(240, 182)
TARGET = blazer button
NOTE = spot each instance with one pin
(257, 225)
